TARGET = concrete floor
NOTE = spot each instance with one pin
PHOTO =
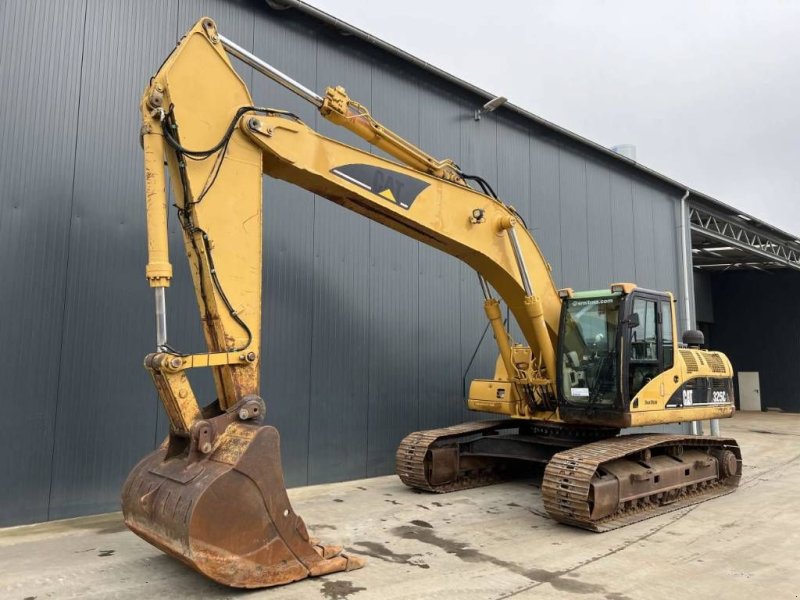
(494, 542)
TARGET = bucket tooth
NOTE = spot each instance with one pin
(227, 515)
(326, 551)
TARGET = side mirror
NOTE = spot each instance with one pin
(633, 321)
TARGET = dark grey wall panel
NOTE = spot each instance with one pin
(478, 156)
(545, 222)
(43, 48)
(513, 185)
(394, 330)
(366, 334)
(341, 307)
(643, 240)
(753, 342)
(340, 346)
(574, 228)
(440, 389)
(287, 341)
(665, 242)
(103, 397)
(599, 219)
(393, 298)
(622, 227)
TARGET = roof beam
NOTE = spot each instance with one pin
(742, 237)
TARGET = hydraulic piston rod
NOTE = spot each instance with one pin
(338, 108)
(533, 304)
(271, 72)
(523, 270)
(161, 317)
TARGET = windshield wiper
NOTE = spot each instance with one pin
(594, 392)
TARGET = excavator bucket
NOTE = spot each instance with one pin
(226, 514)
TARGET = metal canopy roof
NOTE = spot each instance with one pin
(723, 241)
(723, 237)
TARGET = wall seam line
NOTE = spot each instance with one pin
(314, 201)
(369, 297)
(66, 267)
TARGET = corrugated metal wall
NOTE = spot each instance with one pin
(367, 333)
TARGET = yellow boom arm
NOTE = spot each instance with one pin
(198, 113)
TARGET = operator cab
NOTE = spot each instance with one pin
(611, 344)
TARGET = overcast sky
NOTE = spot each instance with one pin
(709, 92)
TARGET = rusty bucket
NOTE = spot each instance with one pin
(226, 513)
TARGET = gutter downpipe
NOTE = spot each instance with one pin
(697, 427)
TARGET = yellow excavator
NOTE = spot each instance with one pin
(589, 364)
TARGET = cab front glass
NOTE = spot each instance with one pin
(588, 353)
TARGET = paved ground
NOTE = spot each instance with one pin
(492, 542)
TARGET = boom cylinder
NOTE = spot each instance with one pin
(159, 269)
(532, 304)
(535, 311)
(341, 110)
(492, 308)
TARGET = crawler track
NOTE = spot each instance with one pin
(416, 468)
(596, 485)
(415, 471)
(567, 488)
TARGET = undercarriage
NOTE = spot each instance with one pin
(593, 478)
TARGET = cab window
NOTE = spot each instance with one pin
(644, 339)
(644, 364)
(666, 335)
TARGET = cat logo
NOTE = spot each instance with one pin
(393, 186)
(687, 397)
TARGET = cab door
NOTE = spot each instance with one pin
(649, 343)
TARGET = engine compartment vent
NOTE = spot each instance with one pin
(716, 363)
(690, 360)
